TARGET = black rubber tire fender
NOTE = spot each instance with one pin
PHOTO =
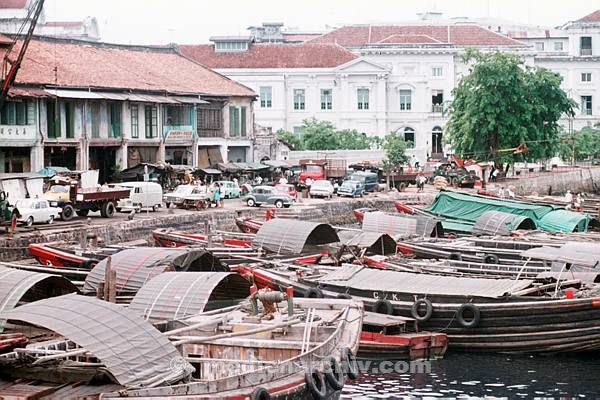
(260, 393)
(414, 311)
(454, 256)
(334, 374)
(349, 364)
(463, 321)
(315, 382)
(491, 259)
(314, 293)
(383, 307)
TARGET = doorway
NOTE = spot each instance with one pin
(104, 160)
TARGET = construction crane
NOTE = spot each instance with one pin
(32, 18)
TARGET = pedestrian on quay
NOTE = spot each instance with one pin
(308, 183)
(217, 196)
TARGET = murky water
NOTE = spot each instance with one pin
(462, 375)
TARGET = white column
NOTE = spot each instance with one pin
(381, 104)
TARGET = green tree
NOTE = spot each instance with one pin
(351, 139)
(395, 150)
(291, 138)
(501, 104)
(585, 143)
(320, 135)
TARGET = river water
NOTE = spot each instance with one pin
(464, 375)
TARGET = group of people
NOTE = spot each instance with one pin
(574, 202)
(505, 192)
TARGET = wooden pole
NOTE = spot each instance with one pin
(107, 269)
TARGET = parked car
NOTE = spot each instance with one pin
(267, 195)
(142, 195)
(370, 180)
(176, 197)
(229, 189)
(321, 188)
(36, 211)
(288, 189)
(351, 188)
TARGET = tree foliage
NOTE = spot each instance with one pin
(323, 135)
(395, 150)
(585, 142)
(501, 104)
(291, 139)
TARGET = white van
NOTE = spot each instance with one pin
(142, 195)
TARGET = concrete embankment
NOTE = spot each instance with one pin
(579, 180)
(115, 232)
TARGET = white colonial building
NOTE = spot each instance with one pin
(397, 78)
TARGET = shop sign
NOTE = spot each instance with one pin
(179, 136)
(17, 133)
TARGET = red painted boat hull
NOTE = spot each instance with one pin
(48, 255)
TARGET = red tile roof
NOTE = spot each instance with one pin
(413, 39)
(69, 63)
(460, 35)
(593, 17)
(13, 3)
(266, 55)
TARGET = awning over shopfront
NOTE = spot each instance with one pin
(143, 98)
(242, 167)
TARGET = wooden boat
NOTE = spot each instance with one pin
(383, 336)
(388, 337)
(166, 237)
(306, 351)
(249, 225)
(359, 213)
(478, 314)
(66, 255)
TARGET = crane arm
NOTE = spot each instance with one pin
(14, 68)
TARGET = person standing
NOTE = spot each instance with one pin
(217, 196)
(308, 183)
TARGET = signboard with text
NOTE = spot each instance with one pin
(179, 136)
(13, 134)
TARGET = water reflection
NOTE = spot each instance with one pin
(462, 375)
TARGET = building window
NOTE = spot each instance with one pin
(558, 46)
(18, 113)
(409, 137)
(586, 105)
(266, 97)
(539, 46)
(231, 46)
(437, 71)
(406, 100)
(95, 119)
(437, 101)
(210, 121)
(52, 119)
(585, 45)
(69, 119)
(326, 99)
(362, 96)
(114, 119)
(299, 99)
(243, 121)
(135, 121)
(586, 77)
(238, 121)
(178, 115)
(436, 141)
(151, 121)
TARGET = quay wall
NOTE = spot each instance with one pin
(116, 232)
(580, 180)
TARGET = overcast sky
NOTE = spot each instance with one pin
(194, 21)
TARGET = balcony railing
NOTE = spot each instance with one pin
(437, 108)
(211, 133)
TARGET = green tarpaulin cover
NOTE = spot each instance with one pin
(468, 208)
